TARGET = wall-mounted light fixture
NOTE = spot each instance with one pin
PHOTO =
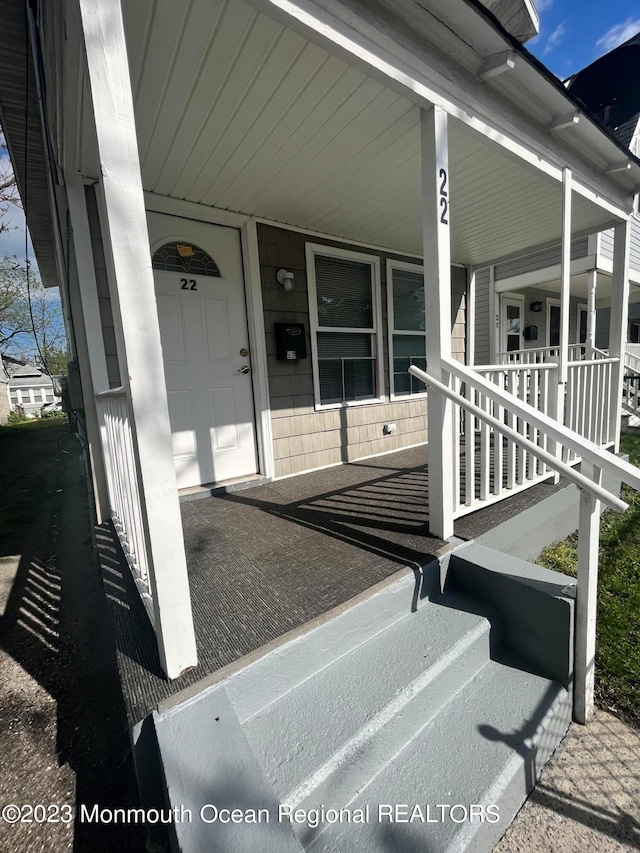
(285, 278)
(536, 307)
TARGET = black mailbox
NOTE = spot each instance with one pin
(291, 344)
(531, 333)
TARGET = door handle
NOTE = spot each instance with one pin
(244, 369)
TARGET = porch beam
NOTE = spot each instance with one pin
(618, 324)
(131, 284)
(436, 243)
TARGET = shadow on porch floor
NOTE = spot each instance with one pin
(267, 560)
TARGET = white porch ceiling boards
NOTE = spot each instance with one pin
(236, 111)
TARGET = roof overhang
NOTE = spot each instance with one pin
(22, 124)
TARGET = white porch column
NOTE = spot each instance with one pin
(592, 283)
(586, 599)
(437, 297)
(565, 285)
(135, 316)
(618, 324)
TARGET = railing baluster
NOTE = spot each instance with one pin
(511, 447)
(469, 450)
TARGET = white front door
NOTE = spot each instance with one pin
(512, 312)
(203, 328)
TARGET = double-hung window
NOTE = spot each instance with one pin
(407, 339)
(344, 306)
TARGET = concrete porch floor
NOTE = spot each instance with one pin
(267, 560)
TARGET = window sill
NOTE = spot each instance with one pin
(407, 398)
(324, 407)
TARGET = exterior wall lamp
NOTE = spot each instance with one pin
(536, 307)
(285, 278)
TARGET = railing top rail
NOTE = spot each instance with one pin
(556, 431)
(540, 365)
(121, 391)
(553, 462)
(529, 349)
(589, 361)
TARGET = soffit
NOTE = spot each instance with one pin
(236, 111)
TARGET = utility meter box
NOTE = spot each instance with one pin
(291, 344)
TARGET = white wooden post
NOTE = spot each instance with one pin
(127, 251)
(437, 283)
(565, 282)
(592, 284)
(586, 601)
(618, 325)
(471, 318)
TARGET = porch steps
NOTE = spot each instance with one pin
(384, 704)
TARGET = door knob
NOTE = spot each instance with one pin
(244, 369)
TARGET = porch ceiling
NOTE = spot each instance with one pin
(238, 112)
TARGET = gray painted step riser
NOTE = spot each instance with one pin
(471, 753)
(256, 686)
(299, 733)
(374, 748)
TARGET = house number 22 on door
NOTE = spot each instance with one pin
(190, 284)
(444, 203)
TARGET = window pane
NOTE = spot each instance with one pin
(345, 366)
(344, 293)
(343, 345)
(408, 350)
(408, 301)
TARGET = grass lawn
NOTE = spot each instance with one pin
(618, 633)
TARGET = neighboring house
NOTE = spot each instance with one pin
(5, 406)
(524, 291)
(272, 213)
(30, 389)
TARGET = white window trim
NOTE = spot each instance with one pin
(311, 250)
(391, 266)
(549, 302)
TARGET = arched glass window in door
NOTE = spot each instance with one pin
(184, 258)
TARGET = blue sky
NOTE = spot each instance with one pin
(573, 33)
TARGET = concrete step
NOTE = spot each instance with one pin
(307, 738)
(486, 747)
(399, 699)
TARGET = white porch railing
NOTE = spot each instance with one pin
(631, 383)
(494, 466)
(538, 355)
(588, 398)
(505, 407)
(122, 482)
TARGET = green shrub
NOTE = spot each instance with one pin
(17, 418)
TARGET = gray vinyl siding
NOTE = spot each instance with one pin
(303, 437)
(634, 244)
(482, 353)
(539, 260)
(606, 244)
(104, 300)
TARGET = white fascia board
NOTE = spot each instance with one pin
(392, 50)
